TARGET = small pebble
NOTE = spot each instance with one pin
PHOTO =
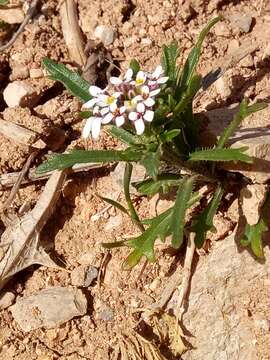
(6, 299)
(105, 34)
(262, 324)
(83, 275)
(242, 22)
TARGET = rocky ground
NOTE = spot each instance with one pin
(228, 311)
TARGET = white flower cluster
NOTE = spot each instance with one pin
(128, 99)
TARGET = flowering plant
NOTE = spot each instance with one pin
(152, 115)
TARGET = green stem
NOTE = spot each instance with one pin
(133, 214)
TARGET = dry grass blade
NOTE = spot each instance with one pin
(21, 238)
(72, 32)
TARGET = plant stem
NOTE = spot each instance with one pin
(133, 213)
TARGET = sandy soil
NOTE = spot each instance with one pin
(71, 236)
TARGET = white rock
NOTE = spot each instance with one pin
(6, 299)
(12, 15)
(20, 93)
(105, 34)
(36, 73)
(262, 324)
(242, 21)
(49, 308)
(114, 222)
(83, 275)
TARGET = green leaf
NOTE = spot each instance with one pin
(253, 237)
(85, 114)
(144, 244)
(181, 205)
(4, 2)
(187, 97)
(123, 135)
(151, 187)
(63, 161)
(168, 135)
(115, 204)
(135, 66)
(76, 85)
(151, 162)
(194, 56)
(221, 155)
(169, 57)
(204, 221)
(244, 111)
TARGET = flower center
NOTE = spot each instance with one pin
(110, 100)
(139, 81)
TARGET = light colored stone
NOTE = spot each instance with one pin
(12, 15)
(242, 22)
(247, 62)
(36, 73)
(83, 275)
(252, 199)
(6, 299)
(220, 286)
(113, 222)
(20, 93)
(221, 29)
(222, 87)
(49, 308)
(105, 34)
(138, 174)
(262, 324)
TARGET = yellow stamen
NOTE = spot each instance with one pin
(110, 100)
(139, 81)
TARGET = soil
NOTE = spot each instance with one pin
(72, 236)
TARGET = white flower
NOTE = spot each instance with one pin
(118, 115)
(93, 124)
(141, 78)
(127, 78)
(139, 116)
(157, 77)
(147, 97)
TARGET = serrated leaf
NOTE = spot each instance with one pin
(216, 154)
(115, 204)
(63, 161)
(168, 135)
(151, 162)
(151, 187)
(123, 135)
(72, 81)
(204, 221)
(135, 66)
(181, 205)
(253, 237)
(194, 56)
(244, 111)
(169, 57)
(144, 244)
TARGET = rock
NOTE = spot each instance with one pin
(252, 199)
(105, 34)
(138, 174)
(104, 312)
(242, 22)
(36, 73)
(12, 15)
(113, 222)
(222, 283)
(221, 29)
(222, 87)
(49, 308)
(83, 275)
(247, 62)
(253, 133)
(20, 71)
(6, 299)
(262, 324)
(20, 93)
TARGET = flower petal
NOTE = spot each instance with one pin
(145, 89)
(90, 103)
(149, 115)
(87, 128)
(122, 109)
(140, 108)
(113, 107)
(108, 118)
(162, 80)
(152, 82)
(158, 71)
(115, 80)
(133, 116)
(141, 75)
(139, 126)
(120, 120)
(129, 74)
(96, 124)
(95, 90)
(149, 102)
(154, 92)
(104, 111)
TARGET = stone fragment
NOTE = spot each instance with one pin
(6, 299)
(49, 308)
(104, 312)
(252, 199)
(242, 22)
(12, 15)
(83, 275)
(262, 324)
(113, 222)
(20, 93)
(36, 73)
(138, 174)
(105, 34)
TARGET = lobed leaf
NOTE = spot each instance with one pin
(253, 237)
(181, 205)
(204, 221)
(72, 81)
(63, 161)
(151, 162)
(151, 187)
(216, 154)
